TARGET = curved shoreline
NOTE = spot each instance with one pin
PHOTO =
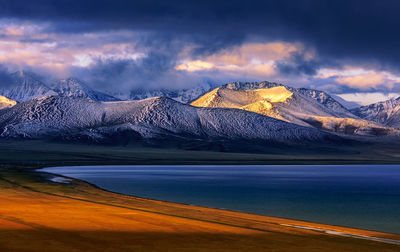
(309, 225)
(36, 213)
(370, 238)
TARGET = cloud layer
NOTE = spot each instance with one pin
(339, 46)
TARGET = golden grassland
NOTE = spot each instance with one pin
(39, 215)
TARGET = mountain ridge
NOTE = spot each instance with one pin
(157, 117)
(73, 87)
(301, 106)
(26, 85)
(294, 106)
(384, 112)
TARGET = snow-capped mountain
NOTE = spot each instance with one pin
(326, 100)
(319, 96)
(301, 106)
(386, 112)
(185, 95)
(6, 103)
(72, 87)
(262, 111)
(347, 104)
(24, 86)
(157, 117)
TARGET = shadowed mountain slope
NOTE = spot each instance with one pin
(386, 112)
(150, 118)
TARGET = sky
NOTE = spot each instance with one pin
(345, 47)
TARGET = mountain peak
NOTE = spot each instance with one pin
(25, 85)
(250, 85)
(73, 87)
(23, 74)
(70, 83)
(302, 106)
(72, 80)
(157, 117)
(384, 112)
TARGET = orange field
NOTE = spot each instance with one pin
(37, 215)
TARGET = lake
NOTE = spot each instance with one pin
(360, 196)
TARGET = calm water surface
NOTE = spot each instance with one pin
(361, 196)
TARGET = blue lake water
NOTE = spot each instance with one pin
(360, 196)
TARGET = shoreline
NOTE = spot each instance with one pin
(371, 238)
(70, 179)
(78, 216)
(308, 225)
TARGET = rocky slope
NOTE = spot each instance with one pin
(72, 87)
(386, 112)
(24, 86)
(180, 95)
(301, 106)
(158, 117)
(314, 95)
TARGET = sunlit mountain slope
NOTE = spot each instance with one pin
(150, 118)
(6, 102)
(301, 106)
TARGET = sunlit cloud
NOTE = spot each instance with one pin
(363, 81)
(126, 53)
(86, 57)
(254, 53)
(82, 60)
(250, 59)
(14, 31)
(196, 65)
(30, 45)
(360, 78)
(368, 98)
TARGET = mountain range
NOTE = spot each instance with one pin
(185, 95)
(305, 107)
(24, 86)
(386, 112)
(158, 117)
(262, 112)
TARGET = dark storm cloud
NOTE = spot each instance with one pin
(299, 64)
(212, 43)
(352, 30)
(128, 73)
(5, 78)
(155, 68)
(4, 74)
(152, 72)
